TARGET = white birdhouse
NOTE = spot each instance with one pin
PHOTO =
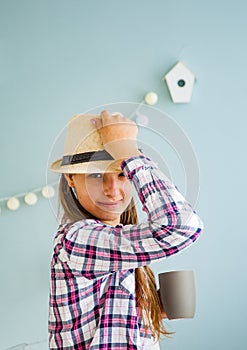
(180, 81)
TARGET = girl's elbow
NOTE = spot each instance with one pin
(200, 224)
(196, 222)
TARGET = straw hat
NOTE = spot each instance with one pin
(83, 150)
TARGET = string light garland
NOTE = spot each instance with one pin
(31, 198)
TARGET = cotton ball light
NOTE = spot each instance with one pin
(48, 191)
(142, 120)
(30, 198)
(151, 98)
(13, 203)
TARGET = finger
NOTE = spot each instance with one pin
(105, 114)
(97, 122)
(114, 114)
(107, 118)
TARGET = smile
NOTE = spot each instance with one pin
(109, 204)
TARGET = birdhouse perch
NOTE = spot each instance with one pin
(180, 82)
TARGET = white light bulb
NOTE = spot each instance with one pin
(13, 203)
(48, 191)
(151, 98)
(30, 198)
(142, 120)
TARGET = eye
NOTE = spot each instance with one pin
(121, 174)
(95, 175)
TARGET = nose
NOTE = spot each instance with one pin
(112, 187)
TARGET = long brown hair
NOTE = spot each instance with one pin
(147, 298)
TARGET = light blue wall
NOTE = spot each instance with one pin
(63, 57)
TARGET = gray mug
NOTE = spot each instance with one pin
(178, 293)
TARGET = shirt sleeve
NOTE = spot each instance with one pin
(94, 248)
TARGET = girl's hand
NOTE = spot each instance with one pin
(118, 135)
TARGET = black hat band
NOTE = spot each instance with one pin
(86, 157)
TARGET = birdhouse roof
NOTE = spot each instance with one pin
(177, 68)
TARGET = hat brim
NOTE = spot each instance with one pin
(99, 166)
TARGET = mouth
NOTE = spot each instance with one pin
(109, 205)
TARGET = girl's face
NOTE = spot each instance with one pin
(105, 196)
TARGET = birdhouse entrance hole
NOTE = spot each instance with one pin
(181, 83)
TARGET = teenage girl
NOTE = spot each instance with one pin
(103, 293)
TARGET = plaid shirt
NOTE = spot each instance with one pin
(92, 299)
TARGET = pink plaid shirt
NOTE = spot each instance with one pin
(92, 298)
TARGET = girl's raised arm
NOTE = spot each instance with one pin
(92, 247)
